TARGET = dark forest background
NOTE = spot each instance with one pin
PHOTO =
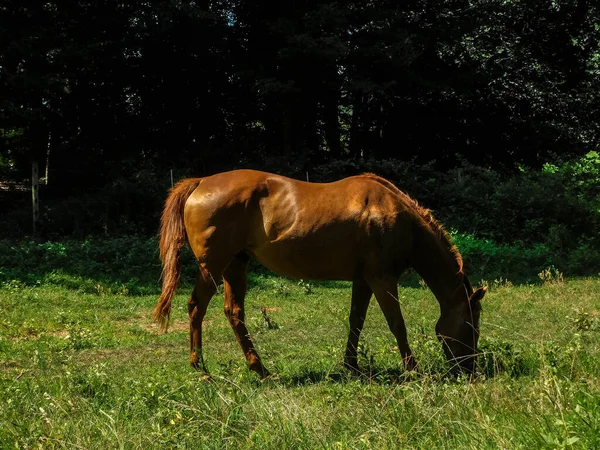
(488, 112)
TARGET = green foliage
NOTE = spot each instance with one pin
(116, 86)
(583, 176)
(488, 259)
(127, 265)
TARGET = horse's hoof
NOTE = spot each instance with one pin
(257, 367)
(194, 359)
(410, 364)
(353, 369)
(263, 374)
(266, 376)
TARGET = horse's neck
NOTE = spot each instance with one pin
(436, 264)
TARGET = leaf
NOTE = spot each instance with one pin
(572, 440)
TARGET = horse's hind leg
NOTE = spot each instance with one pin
(386, 293)
(234, 283)
(203, 291)
(361, 296)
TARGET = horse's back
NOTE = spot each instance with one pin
(296, 228)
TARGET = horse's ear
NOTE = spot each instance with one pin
(478, 294)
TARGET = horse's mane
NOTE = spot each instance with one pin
(425, 213)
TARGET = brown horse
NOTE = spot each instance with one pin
(361, 229)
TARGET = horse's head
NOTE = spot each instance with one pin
(458, 326)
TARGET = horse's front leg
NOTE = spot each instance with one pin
(386, 293)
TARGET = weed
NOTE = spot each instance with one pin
(584, 321)
(268, 323)
(280, 288)
(551, 276)
(500, 283)
(306, 287)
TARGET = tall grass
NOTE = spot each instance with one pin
(85, 369)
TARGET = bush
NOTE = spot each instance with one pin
(127, 259)
(553, 205)
(505, 224)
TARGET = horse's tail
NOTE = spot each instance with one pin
(172, 238)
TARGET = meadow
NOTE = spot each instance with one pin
(83, 366)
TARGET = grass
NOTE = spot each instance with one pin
(82, 366)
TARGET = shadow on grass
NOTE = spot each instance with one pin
(498, 358)
(371, 375)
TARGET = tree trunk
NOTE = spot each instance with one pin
(288, 128)
(374, 122)
(332, 127)
(311, 134)
(356, 146)
(35, 196)
(48, 157)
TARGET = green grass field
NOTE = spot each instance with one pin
(82, 366)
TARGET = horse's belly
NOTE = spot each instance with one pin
(309, 262)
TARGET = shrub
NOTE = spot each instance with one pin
(511, 225)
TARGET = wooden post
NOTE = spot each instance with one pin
(35, 194)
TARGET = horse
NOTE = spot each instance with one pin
(361, 229)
